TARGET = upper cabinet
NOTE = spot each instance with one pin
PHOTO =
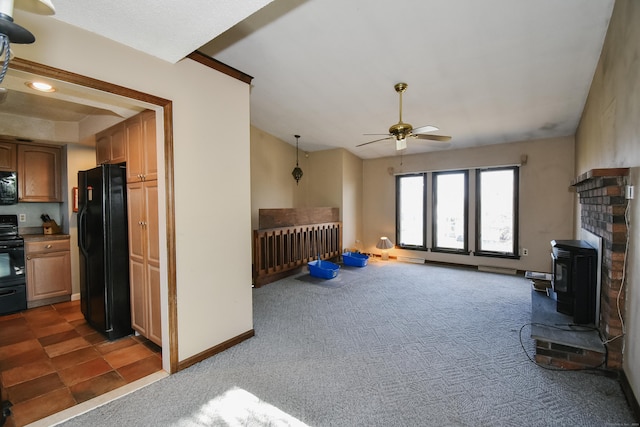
(39, 173)
(141, 147)
(111, 145)
(8, 160)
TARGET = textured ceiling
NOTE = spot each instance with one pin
(167, 29)
(484, 72)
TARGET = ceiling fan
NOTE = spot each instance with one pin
(401, 131)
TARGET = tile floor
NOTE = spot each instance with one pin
(51, 359)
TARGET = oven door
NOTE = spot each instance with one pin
(12, 262)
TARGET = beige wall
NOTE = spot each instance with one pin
(331, 178)
(351, 201)
(609, 137)
(546, 204)
(272, 185)
(79, 158)
(211, 171)
(324, 186)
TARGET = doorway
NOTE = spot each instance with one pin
(95, 88)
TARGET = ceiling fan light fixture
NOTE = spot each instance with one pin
(401, 130)
(41, 7)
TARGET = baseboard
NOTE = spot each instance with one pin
(75, 297)
(410, 259)
(215, 350)
(632, 400)
(502, 270)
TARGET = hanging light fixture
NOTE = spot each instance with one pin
(297, 172)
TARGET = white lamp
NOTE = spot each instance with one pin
(384, 244)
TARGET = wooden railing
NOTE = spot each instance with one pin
(278, 252)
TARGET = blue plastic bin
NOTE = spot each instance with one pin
(355, 259)
(323, 269)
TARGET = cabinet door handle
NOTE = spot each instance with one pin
(48, 247)
(28, 257)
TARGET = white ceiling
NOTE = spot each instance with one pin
(167, 29)
(484, 72)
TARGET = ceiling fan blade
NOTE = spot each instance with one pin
(376, 140)
(424, 129)
(381, 134)
(441, 138)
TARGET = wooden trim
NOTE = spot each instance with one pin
(632, 400)
(67, 76)
(594, 173)
(172, 293)
(208, 61)
(215, 350)
(55, 73)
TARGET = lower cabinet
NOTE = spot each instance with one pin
(144, 259)
(48, 271)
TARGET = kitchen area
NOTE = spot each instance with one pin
(79, 258)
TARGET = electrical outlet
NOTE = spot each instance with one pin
(525, 252)
(22, 217)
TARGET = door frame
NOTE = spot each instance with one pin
(35, 68)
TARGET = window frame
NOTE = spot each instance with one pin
(399, 244)
(434, 216)
(478, 220)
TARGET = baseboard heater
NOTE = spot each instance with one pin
(411, 260)
(501, 270)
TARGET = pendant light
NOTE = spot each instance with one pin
(297, 172)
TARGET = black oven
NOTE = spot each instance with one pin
(13, 296)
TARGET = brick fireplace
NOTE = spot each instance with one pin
(602, 212)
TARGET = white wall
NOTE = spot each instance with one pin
(211, 172)
(609, 137)
(546, 203)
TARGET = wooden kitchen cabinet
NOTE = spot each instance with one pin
(48, 271)
(39, 173)
(144, 259)
(111, 145)
(8, 156)
(141, 147)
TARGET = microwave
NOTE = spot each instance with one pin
(8, 188)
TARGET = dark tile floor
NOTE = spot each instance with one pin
(51, 359)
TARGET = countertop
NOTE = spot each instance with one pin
(44, 237)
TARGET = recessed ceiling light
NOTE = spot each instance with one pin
(41, 86)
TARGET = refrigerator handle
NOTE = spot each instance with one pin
(81, 229)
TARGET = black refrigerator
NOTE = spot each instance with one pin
(104, 250)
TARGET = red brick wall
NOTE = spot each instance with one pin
(602, 212)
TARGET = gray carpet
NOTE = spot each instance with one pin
(391, 344)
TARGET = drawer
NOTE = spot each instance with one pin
(47, 246)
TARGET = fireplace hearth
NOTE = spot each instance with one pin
(602, 219)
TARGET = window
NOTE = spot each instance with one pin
(497, 211)
(494, 198)
(410, 211)
(450, 205)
